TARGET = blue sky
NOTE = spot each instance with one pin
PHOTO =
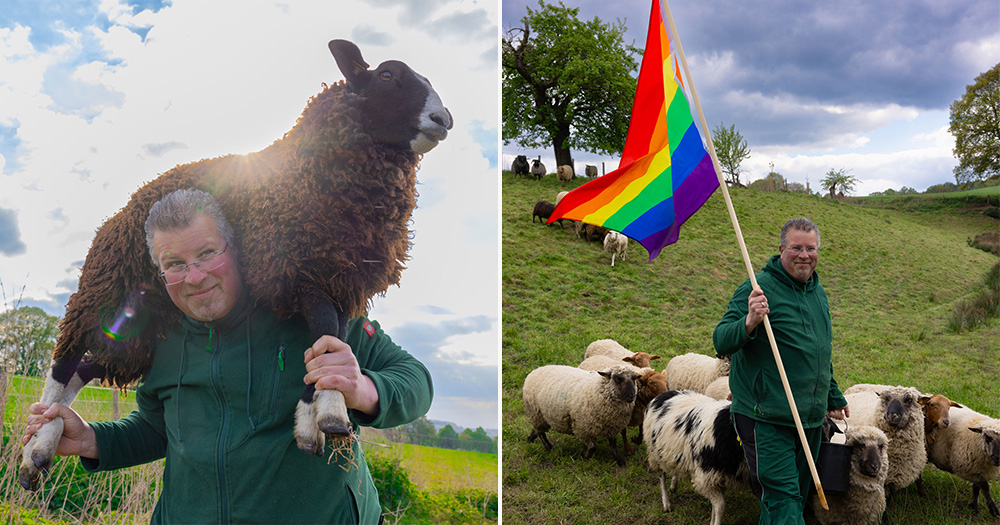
(814, 86)
(98, 97)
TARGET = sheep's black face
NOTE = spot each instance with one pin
(868, 457)
(400, 108)
(625, 384)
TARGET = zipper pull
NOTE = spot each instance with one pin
(281, 357)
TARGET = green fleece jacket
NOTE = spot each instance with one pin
(800, 319)
(219, 403)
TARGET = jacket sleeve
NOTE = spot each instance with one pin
(730, 334)
(836, 398)
(135, 439)
(404, 385)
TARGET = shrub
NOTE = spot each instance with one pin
(987, 242)
(975, 311)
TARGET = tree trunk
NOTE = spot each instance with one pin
(563, 156)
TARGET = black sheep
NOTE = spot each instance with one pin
(520, 165)
(321, 219)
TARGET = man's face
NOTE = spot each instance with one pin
(202, 296)
(799, 255)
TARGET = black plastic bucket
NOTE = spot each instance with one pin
(834, 467)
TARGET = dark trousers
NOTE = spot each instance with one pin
(779, 471)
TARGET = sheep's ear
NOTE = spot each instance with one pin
(605, 374)
(956, 405)
(978, 430)
(924, 400)
(349, 60)
(654, 358)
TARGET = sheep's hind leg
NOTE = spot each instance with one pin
(64, 382)
(322, 409)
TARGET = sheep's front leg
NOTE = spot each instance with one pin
(321, 411)
(64, 382)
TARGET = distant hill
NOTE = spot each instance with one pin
(438, 425)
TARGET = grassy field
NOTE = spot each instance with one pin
(892, 277)
(439, 469)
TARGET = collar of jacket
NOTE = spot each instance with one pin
(244, 306)
(775, 268)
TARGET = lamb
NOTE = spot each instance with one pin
(969, 448)
(543, 209)
(613, 349)
(565, 173)
(320, 217)
(590, 170)
(689, 434)
(537, 169)
(616, 244)
(589, 405)
(896, 412)
(864, 502)
(520, 165)
(695, 371)
(588, 231)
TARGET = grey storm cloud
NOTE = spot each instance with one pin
(856, 54)
(10, 234)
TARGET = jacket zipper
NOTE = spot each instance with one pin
(277, 379)
(220, 450)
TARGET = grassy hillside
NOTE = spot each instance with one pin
(892, 278)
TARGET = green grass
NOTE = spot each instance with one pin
(893, 278)
(437, 469)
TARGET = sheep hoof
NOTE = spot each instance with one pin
(29, 478)
(333, 427)
(309, 447)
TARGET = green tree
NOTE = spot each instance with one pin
(27, 337)
(731, 149)
(421, 432)
(561, 74)
(839, 179)
(975, 123)
(448, 437)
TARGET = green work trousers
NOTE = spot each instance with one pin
(779, 472)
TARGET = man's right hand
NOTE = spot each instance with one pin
(78, 438)
(756, 309)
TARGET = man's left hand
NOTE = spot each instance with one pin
(331, 365)
(840, 413)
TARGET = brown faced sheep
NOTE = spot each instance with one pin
(320, 217)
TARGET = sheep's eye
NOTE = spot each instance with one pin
(385, 76)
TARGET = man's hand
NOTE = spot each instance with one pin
(757, 309)
(840, 413)
(331, 365)
(78, 439)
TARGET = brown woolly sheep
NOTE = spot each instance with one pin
(320, 217)
(543, 209)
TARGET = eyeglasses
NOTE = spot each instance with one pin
(809, 250)
(177, 271)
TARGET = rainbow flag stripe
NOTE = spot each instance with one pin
(665, 173)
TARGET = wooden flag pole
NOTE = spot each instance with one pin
(746, 260)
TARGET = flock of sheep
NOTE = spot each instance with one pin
(615, 243)
(684, 417)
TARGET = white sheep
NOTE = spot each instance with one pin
(588, 405)
(969, 448)
(719, 389)
(560, 195)
(614, 350)
(616, 244)
(864, 501)
(695, 371)
(565, 173)
(649, 385)
(895, 411)
(690, 435)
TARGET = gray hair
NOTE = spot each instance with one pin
(801, 224)
(178, 209)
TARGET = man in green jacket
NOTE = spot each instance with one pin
(219, 400)
(796, 305)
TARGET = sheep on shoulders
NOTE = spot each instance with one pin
(864, 501)
(969, 448)
(588, 405)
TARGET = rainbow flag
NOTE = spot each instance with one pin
(665, 173)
